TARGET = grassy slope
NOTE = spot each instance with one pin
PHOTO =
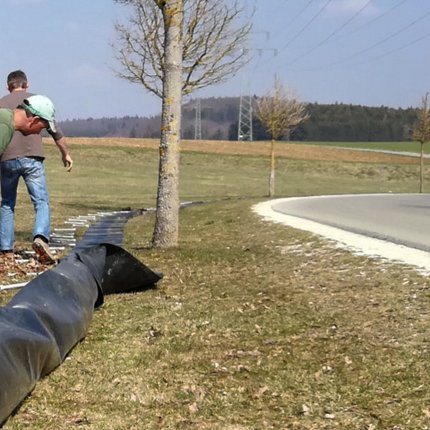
(255, 325)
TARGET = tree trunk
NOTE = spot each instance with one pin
(272, 169)
(422, 168)
(167, 211)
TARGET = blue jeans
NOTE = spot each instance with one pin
(33, 173)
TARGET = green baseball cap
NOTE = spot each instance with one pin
(42, 107)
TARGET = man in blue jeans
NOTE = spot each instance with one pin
(24, 158)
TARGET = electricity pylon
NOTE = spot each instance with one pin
(198, 121)
(245, 118)
(245, 105)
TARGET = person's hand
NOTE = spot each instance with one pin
(68, 162)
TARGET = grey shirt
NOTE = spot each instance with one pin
(24, 146)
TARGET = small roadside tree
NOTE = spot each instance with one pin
(421, 133)
(171, 48)
(279, 111)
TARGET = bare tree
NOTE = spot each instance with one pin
(421, 133)
(167, 214)
(279, 111)
(174, 47)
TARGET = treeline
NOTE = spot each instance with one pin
(342, 122)
(128, 126)
(219, 121)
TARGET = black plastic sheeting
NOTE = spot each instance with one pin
(48, 317)
(109, 229)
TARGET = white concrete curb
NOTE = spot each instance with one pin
(356, 243)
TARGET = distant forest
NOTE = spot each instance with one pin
(219, 121)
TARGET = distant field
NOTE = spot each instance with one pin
(323, 151)
(384, 146)
(114, 173)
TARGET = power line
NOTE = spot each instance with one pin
(354, 15)
(279, 9)
(392, 51)
(378, 57)
(307, 24)
(300, 12)
(333, 33)
(377, 18)
(396, 33)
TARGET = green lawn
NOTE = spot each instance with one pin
(114, 178)
(259, 326)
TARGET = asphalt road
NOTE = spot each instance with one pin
(399, 218)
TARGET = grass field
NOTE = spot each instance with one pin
(257, 326)
(406, 146)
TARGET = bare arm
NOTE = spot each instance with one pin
(65, 156)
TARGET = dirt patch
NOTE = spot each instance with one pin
(293, 151)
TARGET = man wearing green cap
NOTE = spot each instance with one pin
(30, 117)
(24, 158)
(36, 113)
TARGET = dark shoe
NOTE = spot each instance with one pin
(42, 250)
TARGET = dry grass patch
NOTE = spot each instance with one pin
(254, 326)
(293, 151)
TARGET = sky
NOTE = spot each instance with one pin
(368, 52)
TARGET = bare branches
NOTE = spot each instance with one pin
(213, 38)
(421, 131)
(140, 46)
(213, 43)
(280, 110)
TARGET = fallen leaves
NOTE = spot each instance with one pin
(20, 266)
